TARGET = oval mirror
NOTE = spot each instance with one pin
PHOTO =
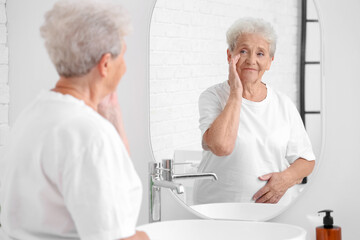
(188, 55)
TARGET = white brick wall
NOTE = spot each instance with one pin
(188, 54)
(4, 87)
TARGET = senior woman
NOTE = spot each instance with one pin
(68, 174)
(252, 135)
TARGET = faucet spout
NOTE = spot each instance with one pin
(172, 185)
(211, 176)
(162, 176)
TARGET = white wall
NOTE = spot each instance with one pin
(4, 87)
(337, 184)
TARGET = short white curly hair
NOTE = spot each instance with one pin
(251, 25)
(78, 33)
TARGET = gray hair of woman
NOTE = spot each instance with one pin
(78, 33)
(251, 26)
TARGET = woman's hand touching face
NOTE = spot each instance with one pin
(109, 108)
(234, 77)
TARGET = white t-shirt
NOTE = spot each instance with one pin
(67, 175)
(271, 136)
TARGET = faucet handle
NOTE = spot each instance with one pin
(167, 164)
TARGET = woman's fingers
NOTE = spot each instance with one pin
(236, 58)
(109, 107)
(274, 189)
(272, 196)
(234, 79)
(233, 61)
(265, 177)
(109, 103)
(264, 190)
(265, 198)
(111, 98)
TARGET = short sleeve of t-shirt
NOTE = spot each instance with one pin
(101, 191)
(299, 145)
(209, 109)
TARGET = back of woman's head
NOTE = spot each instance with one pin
(251, 26)
(78, 33)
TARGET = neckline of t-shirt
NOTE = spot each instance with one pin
(252, 103)
(64, 97)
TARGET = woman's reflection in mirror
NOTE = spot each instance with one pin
(253, 137)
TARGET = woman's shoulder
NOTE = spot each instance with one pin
(284, 103)
(222, 87)
(279, 96)
(220, 91)
(69, 116)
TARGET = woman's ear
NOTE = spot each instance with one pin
(103, 65)
(228, 55)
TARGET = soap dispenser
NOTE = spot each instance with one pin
(328, 231)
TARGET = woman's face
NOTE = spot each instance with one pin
(254, 57)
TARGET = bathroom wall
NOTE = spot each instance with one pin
(4, 87)
(336, 186)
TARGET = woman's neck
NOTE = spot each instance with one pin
(255, 92)
(81, 88)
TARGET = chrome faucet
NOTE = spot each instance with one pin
(162, 176)
(169, 174)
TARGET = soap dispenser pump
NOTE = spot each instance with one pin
(328, 231)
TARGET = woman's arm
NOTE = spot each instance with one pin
(138, 236)
(299, 169)
(221, 136)
(279, 182)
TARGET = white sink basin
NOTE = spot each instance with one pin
(221, 229)
(238, 211)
